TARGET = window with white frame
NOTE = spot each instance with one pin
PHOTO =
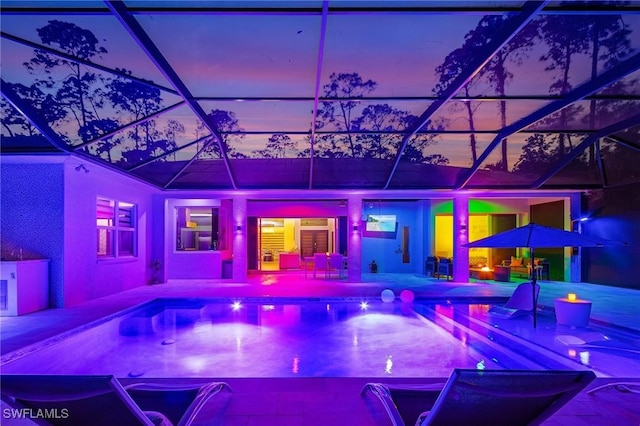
(116, 228)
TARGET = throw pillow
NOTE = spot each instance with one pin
(516, 261)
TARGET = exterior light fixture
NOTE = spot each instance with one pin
(355, 226)
(238, 228)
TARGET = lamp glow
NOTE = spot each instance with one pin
(571, 297)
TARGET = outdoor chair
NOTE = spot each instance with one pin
(336, 263)
(482, 397)
(445, 268)
(320, 263)
(520, 302)
(102, 400)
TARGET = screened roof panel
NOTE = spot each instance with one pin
(275, 145)
(401, 94)
(18, 134)
(380, 115)
(581, 171)
(239, 55)
(620, 161)
(557, 50)
(107, 43)
(265, 116)
(409, 46)
(528, 157)
(455, 150)
(629, 85)
(164, 134)
(580, 116)
(485, 115)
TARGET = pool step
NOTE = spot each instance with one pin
(144, 322)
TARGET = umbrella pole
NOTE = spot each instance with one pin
(533, 285)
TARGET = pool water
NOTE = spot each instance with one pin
(282, 338)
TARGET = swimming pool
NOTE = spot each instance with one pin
(284, 338)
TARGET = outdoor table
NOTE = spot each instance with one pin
(575, 313)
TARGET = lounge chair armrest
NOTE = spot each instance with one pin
(180, 403)
(392, 396)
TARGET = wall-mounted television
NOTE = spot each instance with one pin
(381, 223)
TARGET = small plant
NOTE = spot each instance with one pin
(155, 267)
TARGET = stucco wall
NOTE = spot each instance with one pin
(86, 276)
(613, 214)
(32, 206)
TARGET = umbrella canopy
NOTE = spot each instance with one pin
(538, 236)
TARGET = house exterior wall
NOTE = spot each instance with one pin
(86, 276)
(614, 214)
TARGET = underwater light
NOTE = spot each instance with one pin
(236, 306)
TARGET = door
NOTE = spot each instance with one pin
(313, 242)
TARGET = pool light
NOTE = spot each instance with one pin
(364, 305)
(236, 306)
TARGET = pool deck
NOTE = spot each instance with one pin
(316, 401)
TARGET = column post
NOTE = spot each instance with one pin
(460, 237)
(239, 247)
(354, 244)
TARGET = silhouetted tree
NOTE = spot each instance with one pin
(340, 114)
(139, 101)
(48, 109)
(77, 91)
(354, 118)
(229, 130)
(453, 65)
(536, 155)
(609, 44)
(277, 146)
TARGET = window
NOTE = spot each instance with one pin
(116, 228)
(197, 229)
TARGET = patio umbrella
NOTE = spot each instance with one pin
(533, 236)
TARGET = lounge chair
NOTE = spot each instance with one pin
(102, 400)
(520, 302)
(482, 397)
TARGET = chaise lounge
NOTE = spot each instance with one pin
(102, 400)
(482, 397)
(520, 302)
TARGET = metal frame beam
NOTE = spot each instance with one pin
(610, 76)
(511, 27)
(316, 97)
(136, 31)
(86, 62)
(623, 142)
(33, 116)
(167, 153)
(126, 126)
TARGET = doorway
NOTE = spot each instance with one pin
(283, 243)
(315, 241)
